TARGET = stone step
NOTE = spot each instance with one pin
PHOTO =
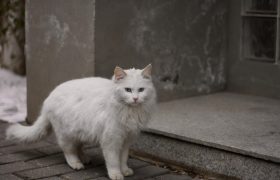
(224, 133)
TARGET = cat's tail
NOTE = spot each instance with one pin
(29, 134)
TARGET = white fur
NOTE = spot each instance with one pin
(94, 110)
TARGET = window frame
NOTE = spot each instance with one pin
(244, 16)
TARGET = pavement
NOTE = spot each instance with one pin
(44, 160)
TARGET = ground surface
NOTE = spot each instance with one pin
(238, 123)
(44, 160)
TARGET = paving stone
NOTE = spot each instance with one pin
(48, 160)
(59, 159)
(53, 149)
(135, 163)
(53, 178)
(100, 178)
(16, 166)
(87, 173)
(21, 156)
(4, 143)
(10, 177)
(2, 137)
(45, 161)
(171, 177)
(45, 171)
(147, 171)
(20, 148)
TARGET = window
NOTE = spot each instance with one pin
(260, 32)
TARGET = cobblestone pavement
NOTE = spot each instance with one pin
(44, 160)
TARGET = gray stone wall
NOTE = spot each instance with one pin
(244, 76)
(185, 41)
(59, 46)
(67, 39)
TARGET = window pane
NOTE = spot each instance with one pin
(259, 38)
(261, 6)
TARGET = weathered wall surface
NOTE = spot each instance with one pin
(185, 41)
(256, 78)
(67, 39)
(59, 46)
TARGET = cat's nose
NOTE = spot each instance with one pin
(135, 99)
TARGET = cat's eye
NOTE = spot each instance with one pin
(128, 89)
(141, 89)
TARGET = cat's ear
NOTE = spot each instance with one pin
(119, 73)
(147, 72)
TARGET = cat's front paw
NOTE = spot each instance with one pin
(127, 172)
(76, 165)
(115, 176)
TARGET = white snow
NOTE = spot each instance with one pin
(12, 97)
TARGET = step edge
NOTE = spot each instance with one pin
(214, 145)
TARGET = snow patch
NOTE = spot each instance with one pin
(12, 97)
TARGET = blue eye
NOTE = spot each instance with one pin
(128, 89)
(141, 89)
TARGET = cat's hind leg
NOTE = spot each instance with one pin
(70, 150)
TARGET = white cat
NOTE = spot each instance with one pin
(95, 110)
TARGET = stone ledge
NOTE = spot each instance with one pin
(243, 124)
(204, 159)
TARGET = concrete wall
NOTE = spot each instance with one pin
(59, 46)
(67, 39)
(185, 40)
(257, 78)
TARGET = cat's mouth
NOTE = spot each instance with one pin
(134, 104)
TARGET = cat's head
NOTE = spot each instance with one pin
(134, 87)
